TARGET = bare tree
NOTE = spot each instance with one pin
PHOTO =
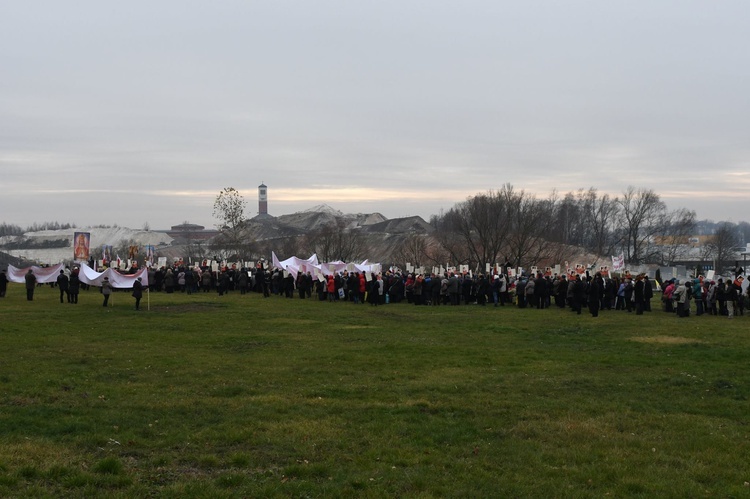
(434, 252)
(722, 245)
(413, 250)
(335, 241)
(448, 234)
(641, 214)
(530, 220)
(599, 214)
(481, 222)
(568, 223)
(229, 210)
(287, 247)
(474, 231)
(194, 246)
(676, 228)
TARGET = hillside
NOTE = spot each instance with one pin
(110, 236)
(381, 236)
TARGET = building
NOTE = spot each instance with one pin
(262, 199)
(188, 232)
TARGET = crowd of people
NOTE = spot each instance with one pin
(577, 292)
(712, 297)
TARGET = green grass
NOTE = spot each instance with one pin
(231, 396)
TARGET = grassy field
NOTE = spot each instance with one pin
(210, 396)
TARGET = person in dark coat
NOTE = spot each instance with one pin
(495, 289)
(374, 291)
(561, 291)
(289, 286)
(63, 283)
(30, 285)
(466, 289)
(482, 289)
(206, 280)
(169, 281)
(74, 286)
(595, 292)
(190, 280)
(223, 283)
(436, 288)
(521, 292)
(106, 290)
(396, 290)
(639, 291)
(648, 293)
(309, 282)
(301, 285)
(3, 283)
(320, 289)
(628, 292)
(418, 290)
(137, 293)
(731, 295)
(540, 290)
(238, 279)
(454, 289)
(579, 294)
(610, 290)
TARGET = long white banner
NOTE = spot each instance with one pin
(296, 265)
(87, 275)
(94, 278)
(43, 274)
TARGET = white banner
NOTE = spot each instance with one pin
(90, 276)
(294, 265)
(43, 274)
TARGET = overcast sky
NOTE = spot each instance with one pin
(141, 112)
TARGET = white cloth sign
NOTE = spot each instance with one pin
(43, 274)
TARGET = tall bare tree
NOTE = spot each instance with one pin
(335, 241)
(722, 245)
(676, 228)
(412, 250)
(481, 223)
(599, 215)
(530, 220)
(568, 220)
(194, 246)
(229, 211)
(641, 212)
(448, 234)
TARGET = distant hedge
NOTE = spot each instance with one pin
(36, 244)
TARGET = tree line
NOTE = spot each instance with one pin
(7, 229)
(515, 226)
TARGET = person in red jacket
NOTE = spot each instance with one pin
(362, 287)
(331, 287)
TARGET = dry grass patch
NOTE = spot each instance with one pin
(292, 321)
(183, 307)
(666, 340)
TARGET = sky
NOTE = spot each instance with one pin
(139, 113)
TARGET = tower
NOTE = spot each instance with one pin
(262, 199)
